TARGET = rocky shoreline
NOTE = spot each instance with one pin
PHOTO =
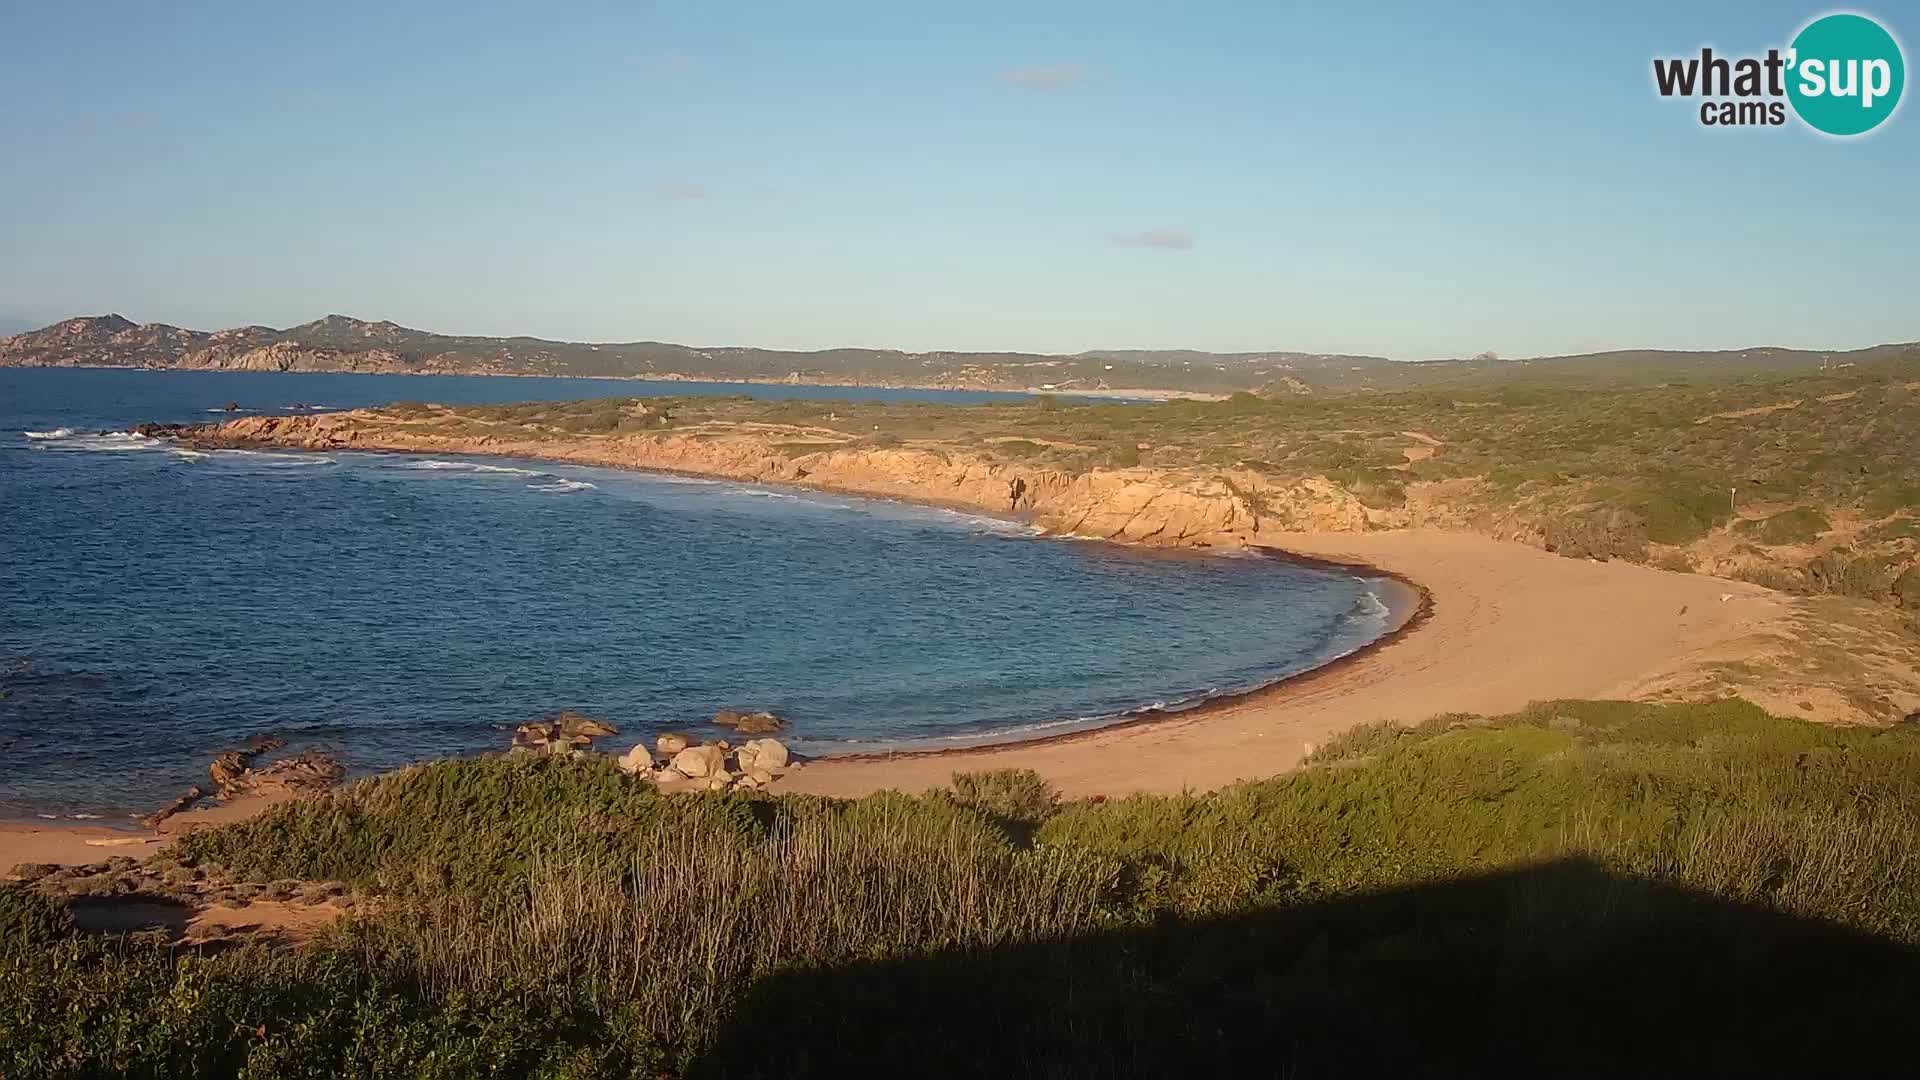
(1226, 509)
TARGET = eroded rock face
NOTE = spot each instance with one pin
(1161, 507)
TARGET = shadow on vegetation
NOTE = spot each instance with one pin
(129, 914)
(1558, 969)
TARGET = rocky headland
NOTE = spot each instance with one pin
(1217, 509)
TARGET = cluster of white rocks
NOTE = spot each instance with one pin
(708, 766)
(675, 761)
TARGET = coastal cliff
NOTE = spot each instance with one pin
(1225, 508)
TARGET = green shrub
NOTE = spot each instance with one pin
(1772, 577)
(1678, 517)
(1377, 489)
(1012, 794)
(793, 935)
(1844, 572)
(1906, 588)
(1799, 525)
(1596, 533)
(1901, 528)
(86, 1009)
(470, 826)
(1018, 448)
(1892, 498)
(29, 921)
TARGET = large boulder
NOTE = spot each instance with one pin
(701, 761)
(574, 724)
(636, 761)
(749, 723)
(671, 743)
(766, 754)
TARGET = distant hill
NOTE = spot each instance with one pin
(342, 343)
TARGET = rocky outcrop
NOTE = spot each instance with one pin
(568, 732)
(229, 770)
(307, 773)
(749, 723)
(1225, 508)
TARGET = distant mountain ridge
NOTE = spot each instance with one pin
(343, 343)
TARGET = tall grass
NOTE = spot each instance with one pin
(556, 918)
(675, 939)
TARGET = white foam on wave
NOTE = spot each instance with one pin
(65, 439)
(563, 487)
(435, 465)
(271, 459)
(683, 481)
(1372, 607)
(185, 454)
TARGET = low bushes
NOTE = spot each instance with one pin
(1799, 525)
(1408, 903)
(1906, 588)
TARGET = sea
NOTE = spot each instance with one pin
(160, 604)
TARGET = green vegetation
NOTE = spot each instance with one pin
(1623, 468)
(1543, 893)
(1799, 525)
(1906, 588)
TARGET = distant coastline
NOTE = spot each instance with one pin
(346, 344)
(1117, 394)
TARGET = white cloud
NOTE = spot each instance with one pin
(1165, 239)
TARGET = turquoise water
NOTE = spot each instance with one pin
(158, 605)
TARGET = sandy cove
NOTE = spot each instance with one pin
(1508, 625)
(1504, 625)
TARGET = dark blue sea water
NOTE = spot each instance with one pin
(158, 604)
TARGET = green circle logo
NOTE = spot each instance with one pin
(1845, 74)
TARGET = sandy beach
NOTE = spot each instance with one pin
(1506, 625)
(1509, 625)
(73, 844)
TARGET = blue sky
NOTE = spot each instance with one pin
(1410, 180)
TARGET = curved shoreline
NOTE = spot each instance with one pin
(1501, 625)
(1392, 677)
(1410, 607)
